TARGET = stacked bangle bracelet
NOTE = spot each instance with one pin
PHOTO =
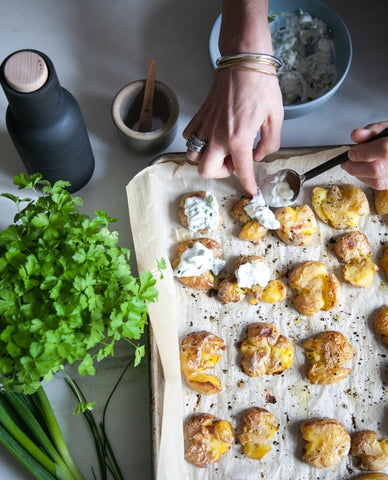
(234, 61)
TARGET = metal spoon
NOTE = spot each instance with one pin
(270, 184)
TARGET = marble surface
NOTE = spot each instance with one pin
(97, 46)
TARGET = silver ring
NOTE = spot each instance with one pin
(195, 144)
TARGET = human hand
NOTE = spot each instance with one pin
(369, 161)
(239, 105)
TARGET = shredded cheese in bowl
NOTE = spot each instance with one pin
(304, 45)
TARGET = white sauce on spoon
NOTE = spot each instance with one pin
(280, 193)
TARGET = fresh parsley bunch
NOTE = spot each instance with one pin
(66, 289)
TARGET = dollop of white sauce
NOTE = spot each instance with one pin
(202, 212)
(257, 210)
(252, 273)
(197, 260)
(280, 193)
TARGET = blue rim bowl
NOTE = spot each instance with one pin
(341, 38)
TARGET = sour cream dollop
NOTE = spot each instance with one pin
(252, 273)
(197, 260)
(202, 212)
(257, 210)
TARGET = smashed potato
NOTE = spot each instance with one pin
(360, 274)
(270, 291)
(380, 323)
(381, 202)
(327, 442)
(229, 291)
(275, 291)
(258, 428)
(206, 280)
(353, 249)
(326, 354)
(251, 230)
(265, 351)
(340, 206)
(201, 215)
(371, 454)
(315, 288)
(199, 352)
(207, 439)
(297, 225)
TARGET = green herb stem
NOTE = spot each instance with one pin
(98, 444)
(55, 432)
(22, 409)
(113, 465)
(25, 442)
(36, 468)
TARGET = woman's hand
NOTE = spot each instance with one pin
(369, 161)
(240, 103)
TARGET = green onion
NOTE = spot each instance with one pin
(29, 462)
(31, 433)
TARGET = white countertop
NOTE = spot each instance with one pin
(97, 46)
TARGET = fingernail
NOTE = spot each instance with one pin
(352, 154)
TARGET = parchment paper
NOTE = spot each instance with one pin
(358, 402)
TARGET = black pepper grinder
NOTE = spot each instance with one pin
(44, 120)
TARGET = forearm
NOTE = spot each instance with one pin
(244, 27)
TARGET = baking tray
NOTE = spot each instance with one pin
(156, 372)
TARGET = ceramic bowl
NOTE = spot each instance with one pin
(340, 36)
(126, 107)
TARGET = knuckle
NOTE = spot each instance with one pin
(384, 147)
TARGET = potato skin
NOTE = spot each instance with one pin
(200, 351)
(206, 280)
(297, 225)
(327, 442)
(340, 206)
(380, 323)
(384, 261)
(258, 428)
(265, 351)
(381, 202)
(315, 288)
(238, 212)
(352, 246)
(326, 354)
(207, 439)
(371, 454)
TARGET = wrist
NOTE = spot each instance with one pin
(245, 27)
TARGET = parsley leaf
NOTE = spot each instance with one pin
(67, 294)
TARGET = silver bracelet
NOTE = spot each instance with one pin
(255, 57)
(240, 67)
